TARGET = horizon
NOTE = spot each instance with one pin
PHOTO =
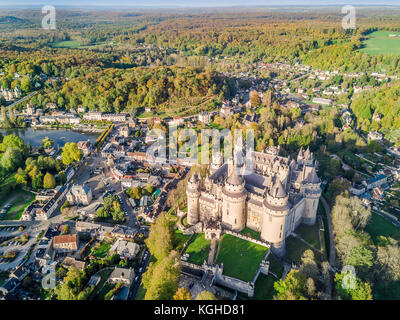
(76, 4)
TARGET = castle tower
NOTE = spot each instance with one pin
(234, 197)
(312, 192)
(193, 195)
(274, 219)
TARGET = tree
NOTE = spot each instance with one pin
(309, 266)
(12, 141)
(255, 99)
(71, 153)
(350, 287)
(11, 159)
(160, 238)
(21, 177)
(292, 288)
(205, 295)
(161, 278)
(6, 122)
(182, 294)
(47, 143)
(49, 182)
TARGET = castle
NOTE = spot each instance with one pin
(274, 199)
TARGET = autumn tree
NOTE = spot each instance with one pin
(182, 294)
(49, 182)
(205, 295)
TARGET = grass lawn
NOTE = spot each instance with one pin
(310, 234)
(180, 239)
(100, 251)
(295, 249)
(251, 233)
(241, 258)
(264, 287)
(21, 199)
(198, 249)
(380, 42)
(379, 226)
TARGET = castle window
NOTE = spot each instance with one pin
(235, 221)
(280, 235)
(281, 226)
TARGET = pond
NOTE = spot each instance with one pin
(59, 136)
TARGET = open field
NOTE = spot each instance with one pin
(382, 42)
(19, 199)
(198, 249)
(241, 258)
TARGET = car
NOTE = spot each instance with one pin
(140, 270)
(137, 278)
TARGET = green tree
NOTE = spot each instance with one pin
(71, 153)
(205, 295)
(161, 278)
(47, 143)
(350, 287)
(11, 159)
(160, 238)
(292, 288)
(49, 182)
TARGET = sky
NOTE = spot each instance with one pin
(191, 3)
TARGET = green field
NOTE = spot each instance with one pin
(198, 249)
(379, 226)
(20, 199)
(380, 42)
(74, 44)
(241, 258)
(66, 44)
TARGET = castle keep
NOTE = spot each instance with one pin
(274, 199)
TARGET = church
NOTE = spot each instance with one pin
(278, 195)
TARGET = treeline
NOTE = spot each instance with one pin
(113, 90)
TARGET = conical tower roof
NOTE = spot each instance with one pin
(277, 190)
(234, 179)
(312, 177)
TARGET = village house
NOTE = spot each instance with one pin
(122, 275)
(66, 243)
(79, 195)
(125, 249)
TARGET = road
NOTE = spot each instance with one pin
(136, 284)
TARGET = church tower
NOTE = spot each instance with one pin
(273, 223)
(193, 195)
(234, 197)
